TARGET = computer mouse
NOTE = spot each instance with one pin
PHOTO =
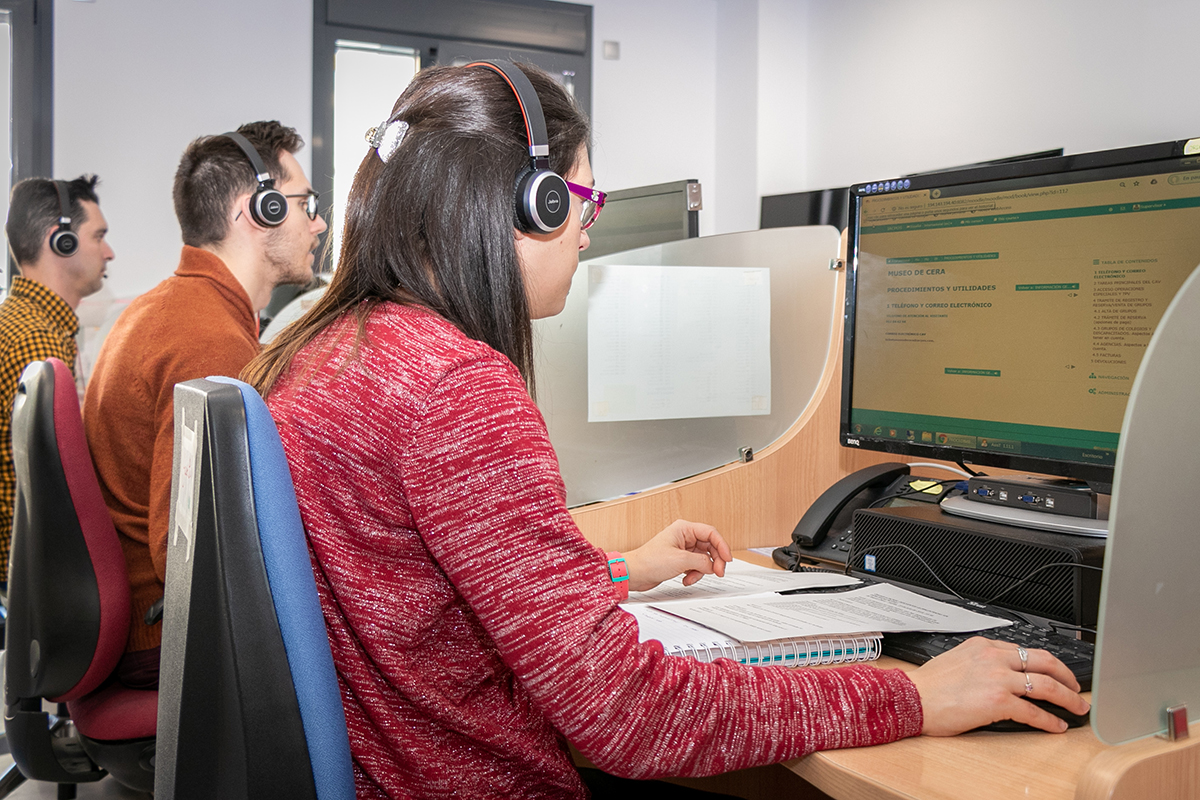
(1009, 726)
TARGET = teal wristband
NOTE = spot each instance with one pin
(618, 573)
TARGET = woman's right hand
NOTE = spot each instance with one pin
(982, 681)
(683, 548)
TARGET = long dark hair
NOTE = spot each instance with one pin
(434, 225)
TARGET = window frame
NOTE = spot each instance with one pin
(32, 122)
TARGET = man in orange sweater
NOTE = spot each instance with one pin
(250, 223)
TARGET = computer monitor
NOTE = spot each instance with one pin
(997, 316)
(646, 215)
(820, 207)
(1052, 153)
(832, 206)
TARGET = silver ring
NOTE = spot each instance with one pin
(1028, 685)
(1023, 654)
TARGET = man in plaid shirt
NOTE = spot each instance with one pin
(37, 319)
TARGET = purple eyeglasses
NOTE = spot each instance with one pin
(593, 201)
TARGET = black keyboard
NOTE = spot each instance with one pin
(1077, 654)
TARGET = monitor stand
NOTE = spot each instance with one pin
(1038, 520)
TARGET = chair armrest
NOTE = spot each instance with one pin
(155, 612)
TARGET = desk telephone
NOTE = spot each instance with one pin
(825, 533)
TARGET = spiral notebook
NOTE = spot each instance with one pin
(683, 637)
(679, 637)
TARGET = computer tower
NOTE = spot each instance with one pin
(982, 561)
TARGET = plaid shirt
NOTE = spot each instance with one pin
(35, 324)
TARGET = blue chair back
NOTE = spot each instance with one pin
(274, 724)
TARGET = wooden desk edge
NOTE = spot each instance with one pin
(1148, 768)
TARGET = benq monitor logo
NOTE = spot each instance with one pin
(851, 442)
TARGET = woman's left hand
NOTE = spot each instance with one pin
(688, 548)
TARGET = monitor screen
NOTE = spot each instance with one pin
(998, 316)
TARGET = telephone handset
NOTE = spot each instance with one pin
(814, 525)
(835, 508)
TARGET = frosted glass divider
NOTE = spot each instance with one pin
(603, 460)
(1148, 642)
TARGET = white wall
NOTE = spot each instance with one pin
(682, 101)
(136, 80)
(782, 123)
(898, 87)
(654, 109)
(731, 200)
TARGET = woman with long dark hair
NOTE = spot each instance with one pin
(475, 631)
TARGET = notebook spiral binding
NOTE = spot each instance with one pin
(786, 652)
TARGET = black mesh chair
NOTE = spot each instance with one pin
(68, 606)
(249, 702)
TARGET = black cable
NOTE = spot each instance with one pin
(968, 470)
(917, 556)
(993, 599)
(909, 492)
(1044, 623)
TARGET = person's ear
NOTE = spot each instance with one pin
(241, 212)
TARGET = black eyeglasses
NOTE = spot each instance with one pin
(311, 206)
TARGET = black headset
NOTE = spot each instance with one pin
(64, 241)
(268, 206)
(543, 201)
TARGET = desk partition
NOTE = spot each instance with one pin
(1148, 648)
(602, 460)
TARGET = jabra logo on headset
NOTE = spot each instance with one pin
(274, 206)
(553, 201)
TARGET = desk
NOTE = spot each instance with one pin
(1000, 766)
(981, 764)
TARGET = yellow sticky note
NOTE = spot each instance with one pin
(928, 487)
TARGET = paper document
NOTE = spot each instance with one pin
(678, 342)
(741, 578)
(668, 628)
(882, 607)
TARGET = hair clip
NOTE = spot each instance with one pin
(386, 137)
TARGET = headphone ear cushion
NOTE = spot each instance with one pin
(64, 242)
(543, 201)
(269, 207)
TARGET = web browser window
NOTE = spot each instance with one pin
(1014, 319)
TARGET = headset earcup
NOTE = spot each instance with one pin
(269, 207)
(543, 201)
(64, 242)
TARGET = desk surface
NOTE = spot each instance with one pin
(980, 764)
(998, 766)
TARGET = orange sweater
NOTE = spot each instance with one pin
(198, 322)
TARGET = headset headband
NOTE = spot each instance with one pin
(64, 204)
(260, 169)
(268, 206)
(63, 241)
(531, 109)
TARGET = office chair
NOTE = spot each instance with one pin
(249, 702)
(68, 606)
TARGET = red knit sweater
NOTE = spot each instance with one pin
(474, 629)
